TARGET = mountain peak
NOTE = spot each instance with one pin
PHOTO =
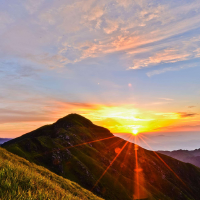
(72, 123)
(77, 149)
(75, 119)
(81, 125)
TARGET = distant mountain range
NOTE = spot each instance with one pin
(2, 140)
(76, 149)
(192, 157)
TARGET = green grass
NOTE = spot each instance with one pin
(20, 179)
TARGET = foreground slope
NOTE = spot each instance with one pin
(20, 179)
(187, 156)
(107, 165)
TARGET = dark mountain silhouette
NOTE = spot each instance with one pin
(111, 167)
(187, 156)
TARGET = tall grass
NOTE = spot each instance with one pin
(20, 179)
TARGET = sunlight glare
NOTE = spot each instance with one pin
(135, 132)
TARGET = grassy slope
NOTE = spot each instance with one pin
(20, 179)
(85, 164)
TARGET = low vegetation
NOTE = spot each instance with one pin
(20, 179)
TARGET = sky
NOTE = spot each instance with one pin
(126, 65)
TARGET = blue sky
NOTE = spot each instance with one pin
(102, 59)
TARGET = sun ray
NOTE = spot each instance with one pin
(77, 145)
(116, 143)
(136, 187)
(89, 142)
(109, 165)
(124, 159)
(128, 150)
(139, 181)
(146, 137)
(166, 164)
(112, 145)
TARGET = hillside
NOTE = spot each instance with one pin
(20, 179)
(111, 167)
(192, 157)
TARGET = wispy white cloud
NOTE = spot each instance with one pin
(117, 26)
(111, 26)
(167, 69)
(124, 3)
(167, 99)
(165, 56)
(173, 52)
(32, 6)
(49, 61)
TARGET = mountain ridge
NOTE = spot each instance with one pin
(187, 156)
(90, 155)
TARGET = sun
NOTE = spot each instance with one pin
(135, 132)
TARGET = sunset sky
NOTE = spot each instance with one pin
(126, 65)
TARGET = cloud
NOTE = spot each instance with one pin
(125, 3)
(13, 115)
(182, 127)
(42, 109)
(11, 70)
(94, 14)
(49, 61)
(33, 6)
(121, 26)
(169, 115)
(111, 26)
(108, 122)
(191, 106)
(167, 99)
(77, 105)
(177, 115)
(187, 115)
(167, 69)
(165, 56)
(159, 103)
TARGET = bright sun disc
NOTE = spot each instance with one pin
(135, 132)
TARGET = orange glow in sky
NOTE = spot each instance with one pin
(123, 118)
(130, 118)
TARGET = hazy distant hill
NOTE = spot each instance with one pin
(192, 157)
(2, 140)
(153, 176)
(20, 179)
